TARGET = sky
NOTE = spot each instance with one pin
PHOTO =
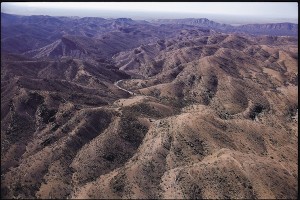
(255, 11)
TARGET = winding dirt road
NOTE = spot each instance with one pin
(117, 84)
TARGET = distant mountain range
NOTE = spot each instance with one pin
(274, 29)
(38, 31)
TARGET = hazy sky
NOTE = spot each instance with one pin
(268, 10)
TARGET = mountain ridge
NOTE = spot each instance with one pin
(265, 29)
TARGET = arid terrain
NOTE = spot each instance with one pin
(122, 108)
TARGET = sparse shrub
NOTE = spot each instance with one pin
(255, 111)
